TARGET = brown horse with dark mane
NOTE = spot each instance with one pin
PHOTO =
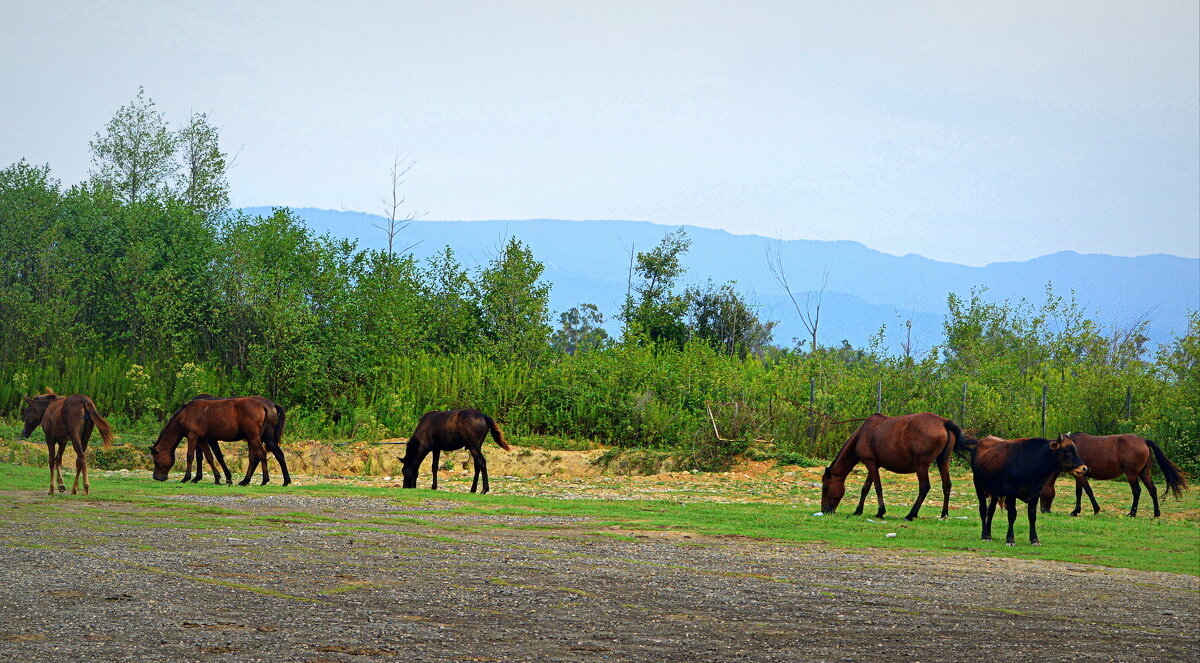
(1110, 456)
(904, 445)
(65, 418)
(206, 420)
(448, 431)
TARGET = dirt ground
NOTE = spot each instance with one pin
(91, 581)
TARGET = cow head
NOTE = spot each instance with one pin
(1067, 456)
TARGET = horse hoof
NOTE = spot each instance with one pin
(287, 482)
(910, 518)
(61, 489)
(1010, 543)
(243, 483)
(1035, 543)
(1074, 514)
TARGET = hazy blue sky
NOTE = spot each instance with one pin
(970, 132)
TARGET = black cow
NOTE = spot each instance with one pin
(1017, 470)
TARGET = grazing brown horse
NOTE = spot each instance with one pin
(211, 448)
(904, 445)
(65, 418)
(206, 420)
(447, 431)
(1017, 470)
(1110, 456)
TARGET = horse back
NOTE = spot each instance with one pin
(224, 419)
(902, 444)
(1110, 456)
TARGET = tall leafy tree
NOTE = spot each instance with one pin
(652, 310)
(721, 317)
(201, 180)
(514, 302)
(135, 153)
(580, 330)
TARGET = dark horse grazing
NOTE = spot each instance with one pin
(1017, 470)
(65, 418)
(448, 431)
(904, 445)
(211, 448)
(205, 420)
(1110, 456)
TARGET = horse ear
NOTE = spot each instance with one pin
(50, 392)
(27, 399)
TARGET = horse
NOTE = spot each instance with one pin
(211, 448)
(904, 445)
(449, 430)
(65, 418)
(1109, 456)
(1017, 470)
(205, 420)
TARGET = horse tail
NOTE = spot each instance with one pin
(1176, 482)
(956, 441)
(497, 434)
(106, 432)
(279, 424)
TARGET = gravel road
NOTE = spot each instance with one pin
(373, 580)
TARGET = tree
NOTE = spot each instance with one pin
(810, 315)
(452, 317)
(580, 330)
(722, 317)
(396, 223)
(135, 155)
(652, 311)
(515, 302)
(201, 181)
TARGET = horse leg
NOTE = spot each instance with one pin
(212, 464)
(50, 454)
(1047, 496)
(923, 482)
(257, 454)
(1137, 492)
(191, 451)
(276, 451)
(984, 517)
(1079, 484)
(1033, 538)
(944, 470)
(480, 468)
(62, 446)
(216, 450)
(1146, 479)
(879, 490)
(437, 455)
(862, 499)
(80, 467)
(1010, 503)
(201, 450)
(1087, 487)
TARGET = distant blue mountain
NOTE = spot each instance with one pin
(588, 261)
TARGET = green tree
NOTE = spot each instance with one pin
(135, 154)
(201, 181)
(652, 310)
(452, 318)
(580, 330)
(514, 302)
(721, 317)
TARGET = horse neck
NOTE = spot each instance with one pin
(171, 434)
(846, 459)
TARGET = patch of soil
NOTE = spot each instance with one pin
(490, 591)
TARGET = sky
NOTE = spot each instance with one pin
(968, 132)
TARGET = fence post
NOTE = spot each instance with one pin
(879, 397)
(1128, 400)
(1043, 410)
(812, 417)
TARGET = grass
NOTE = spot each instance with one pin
(1171, 543)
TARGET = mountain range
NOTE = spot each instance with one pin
(588, 261)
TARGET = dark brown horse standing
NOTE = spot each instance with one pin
(65, 418)
(206, 420)
(212, 448)
(1110, 456)
(904, 445)
(448, 431)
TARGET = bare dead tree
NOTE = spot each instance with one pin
(810, 315)
(396, 223)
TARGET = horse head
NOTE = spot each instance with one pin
(34, 410)
(832, 489)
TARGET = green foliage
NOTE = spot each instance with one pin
(580, 330)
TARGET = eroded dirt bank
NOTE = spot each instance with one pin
(301, 578)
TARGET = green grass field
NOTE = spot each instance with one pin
(1170, 543)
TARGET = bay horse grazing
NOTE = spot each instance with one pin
(905, 445)
(1017, 470)
(1110, 456)
(205, 420)
(212, 448)
(65, 418)
(450, 430)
